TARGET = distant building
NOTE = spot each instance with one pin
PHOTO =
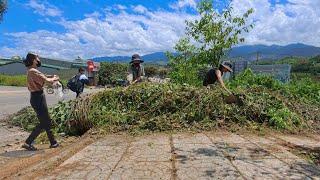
(15, 66)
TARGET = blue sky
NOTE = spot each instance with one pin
(90, 28)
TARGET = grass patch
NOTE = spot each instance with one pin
(10, 80)
(21, 80)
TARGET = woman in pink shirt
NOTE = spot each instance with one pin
(35, 82)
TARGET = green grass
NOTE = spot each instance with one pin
(9, 80)
(21, 80)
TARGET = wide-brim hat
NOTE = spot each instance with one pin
(227, 65)
(136, 58)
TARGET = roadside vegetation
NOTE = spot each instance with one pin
(21, 80)
(183, 104)
(262, 103)
(10, 80)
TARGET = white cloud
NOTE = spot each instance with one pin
(184, 3)
(140, 9)
(113, 34)
(120, 7)
(295, 21)
(44, 8)
(144, 31)
(93, 15)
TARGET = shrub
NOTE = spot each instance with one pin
(109, 73)
(150, 71)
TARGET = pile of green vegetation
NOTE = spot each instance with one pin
(262, 102)
(16, 80)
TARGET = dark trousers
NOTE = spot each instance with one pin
(39, 104)
(78, 94)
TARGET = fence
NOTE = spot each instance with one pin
(280, 72)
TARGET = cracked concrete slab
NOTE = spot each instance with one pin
(300, 141)
(215, 155)
(142, 170)
(267, 169)
(96, 160)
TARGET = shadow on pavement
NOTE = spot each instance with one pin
(21, 153)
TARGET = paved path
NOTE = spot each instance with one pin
(219, 155)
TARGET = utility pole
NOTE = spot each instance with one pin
(258, 55)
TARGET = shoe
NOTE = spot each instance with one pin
(29, 147)
(54, 145)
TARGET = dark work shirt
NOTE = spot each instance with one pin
(211, 77)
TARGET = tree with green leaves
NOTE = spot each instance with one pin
(183, 66)
(3, 8)
(216, 32)
(208, 38)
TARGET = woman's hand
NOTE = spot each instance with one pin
(56, 77)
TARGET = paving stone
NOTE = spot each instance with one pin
(300, 141)
(185, 152)
(112, 140)
(97, 153)
(259, 139)
(185, 138)
(96, 160)
(202, 161)
(85, 170)
(267, 169)
(247, 151)
(210, 168)
(142, 170)
(226, 137)
(152, 139)
(144, 149)
(283, 154)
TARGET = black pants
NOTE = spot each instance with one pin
(39, 104)
(78, 94)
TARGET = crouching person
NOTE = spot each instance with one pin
(136, 69)
(35, 82)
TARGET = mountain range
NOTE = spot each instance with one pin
(248, 52)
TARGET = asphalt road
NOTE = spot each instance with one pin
(13, 99)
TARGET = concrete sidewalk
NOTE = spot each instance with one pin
(219, 155)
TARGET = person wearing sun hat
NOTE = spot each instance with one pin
(136, 68)
(214, 75)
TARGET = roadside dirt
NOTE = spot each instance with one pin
(43, 160)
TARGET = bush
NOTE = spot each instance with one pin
(109, 73)
(150, 71)
(163, 72)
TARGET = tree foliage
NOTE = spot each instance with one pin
(3, 8)
(207, 39)
(183, 66)
(216, 31)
